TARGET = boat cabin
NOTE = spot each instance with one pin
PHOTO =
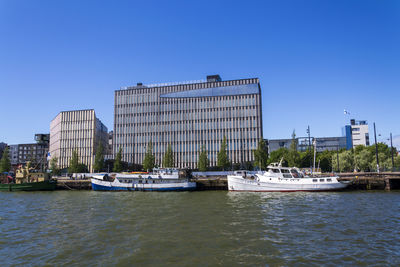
(286, 172)
(26, 174)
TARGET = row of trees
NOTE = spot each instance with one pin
(363, 158)
(223, 163)
(360, 158)
(118, 165)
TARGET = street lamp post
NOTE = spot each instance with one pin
(315, 153)
(376, 150)
(391, 147)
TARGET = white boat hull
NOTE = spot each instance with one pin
(238, 183)
(100, 185)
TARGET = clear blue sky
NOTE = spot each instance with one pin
(313, 58)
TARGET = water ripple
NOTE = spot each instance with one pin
(200, 228)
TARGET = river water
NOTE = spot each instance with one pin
(210, 228)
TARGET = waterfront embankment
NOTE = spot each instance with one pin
(372, 180)
(69, 184)
(359, 181)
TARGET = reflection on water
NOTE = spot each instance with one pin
(200, 228)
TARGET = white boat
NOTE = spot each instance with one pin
(158, 180)
(282, 179)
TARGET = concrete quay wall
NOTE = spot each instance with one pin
(372, 180)
(359, 181)
(68, 184)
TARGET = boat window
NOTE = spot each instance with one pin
(315, 180)
(329, 180)
(140, 181)
(294, 173)
(286, 173)
(322, 180)
(275, 170)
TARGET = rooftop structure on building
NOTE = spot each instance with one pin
(76, 130)
(188, 115)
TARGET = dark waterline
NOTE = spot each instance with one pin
(199, 228)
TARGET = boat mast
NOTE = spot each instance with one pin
(280, 162)
(315, 153)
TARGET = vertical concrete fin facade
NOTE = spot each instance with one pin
(77, 130)
(187, 116)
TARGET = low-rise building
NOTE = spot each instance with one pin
(303, 143)
(2, 147)
(13, 154)
(36, 153)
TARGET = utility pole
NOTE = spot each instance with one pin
(391, 147)
(376, 150)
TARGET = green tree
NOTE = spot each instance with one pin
(74, 163)
(82, 168)
(149, 159)
(362, 158)
(294, 156)
(396, 161)
(306, 158)
(99, 158)
(346, 161)
(222, 157)
(203, 160)
(384, 153)
(325, 159)
(168, 160)
(277, 155)
(5, 164)
(261, 155)
(55, 170)
(118, 161)
(385, 163)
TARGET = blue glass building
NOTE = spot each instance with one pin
(346, 132)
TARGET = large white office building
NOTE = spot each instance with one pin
(186, 116)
